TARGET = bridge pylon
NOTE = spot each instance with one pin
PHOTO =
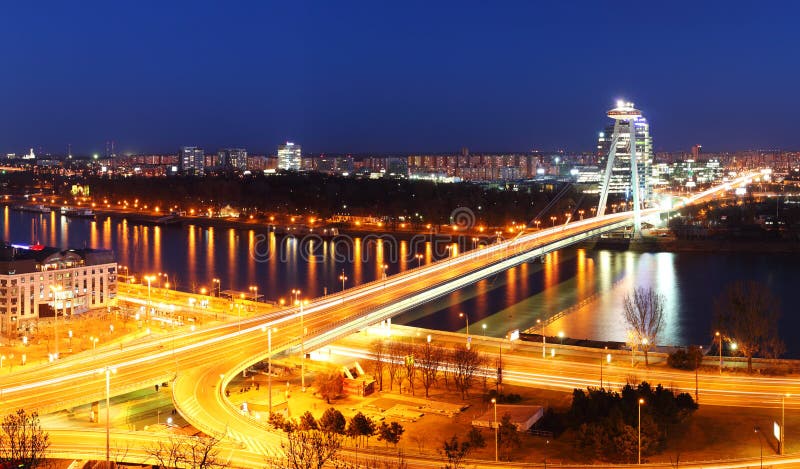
(625, 116)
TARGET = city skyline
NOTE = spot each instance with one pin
(365, 78)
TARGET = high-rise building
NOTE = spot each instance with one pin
(620, 180)
(192, 160)
(289, 157)
(232, 159)
(696, 151)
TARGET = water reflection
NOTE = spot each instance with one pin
(193, 256)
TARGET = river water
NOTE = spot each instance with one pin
(192, 256)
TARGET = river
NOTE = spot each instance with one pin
(192, 256)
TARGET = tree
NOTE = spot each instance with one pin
(360, 426)
(465, 363)
(307, 422)
(508, 435)
(378, 349)
(428, 362)
(644, 312)
(393, 362)
(23, 443)
(331, 385)
(454, 452)
(748, 313)
(410, 365)
(390, 433)
(192, 452)
(310, 449)
(332, 421)
(475, 438)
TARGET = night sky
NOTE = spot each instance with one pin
(379, 76)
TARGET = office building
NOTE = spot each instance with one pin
(38, 281)
(192, 160)
(232, 159)
(289, 157)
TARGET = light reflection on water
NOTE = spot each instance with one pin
(193, 256)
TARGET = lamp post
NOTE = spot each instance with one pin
(561, 336)
(719, 340)
(108, 370)
(149, 279)
(641, 402)
(302, 348)
(544, 342)
(216, 281)
(483, 326)
(466, 318)
(553, 219)
(496, 437)
(254, 289)
(343, 278)
(419, 260)
(56, 290)
(269, 362)
(384, 267)
(241, 299)
(757, 431)
(783, 421)
(608, 361)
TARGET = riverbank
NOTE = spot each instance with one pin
(672, 244)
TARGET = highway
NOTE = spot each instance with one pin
(199, 363)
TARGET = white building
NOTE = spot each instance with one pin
(289, 157)
(38, 281)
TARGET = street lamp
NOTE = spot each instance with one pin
(56, 290)
(94, 341)
(641, 402)
(108, 370)
(296, 293)
(419, 260)
(269, 362)
(496, 438)
(149, 279)
(553, 219)
(216, 281)
(561, 336)
(757, 430)
(544, 342)
(783, 421)
(580, 212)
(483, 326)
(719, 340)
(384, 267)
(254, 289)
(608, 362)
(302, 347)
(343, 278)
(466, 318)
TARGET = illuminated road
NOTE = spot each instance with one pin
(206, 359)
(523, 365)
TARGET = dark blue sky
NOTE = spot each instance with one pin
(405, 76)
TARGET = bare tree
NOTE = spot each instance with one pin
(410, 365)
(378, 349)
(748, 313)
(644, 312)
(197, 452)
(311, 449)
(23, 443)
(428, 361)
(465, 363)
(393, 361)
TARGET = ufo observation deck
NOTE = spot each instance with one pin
(624, 111)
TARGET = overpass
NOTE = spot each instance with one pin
(201, 363)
